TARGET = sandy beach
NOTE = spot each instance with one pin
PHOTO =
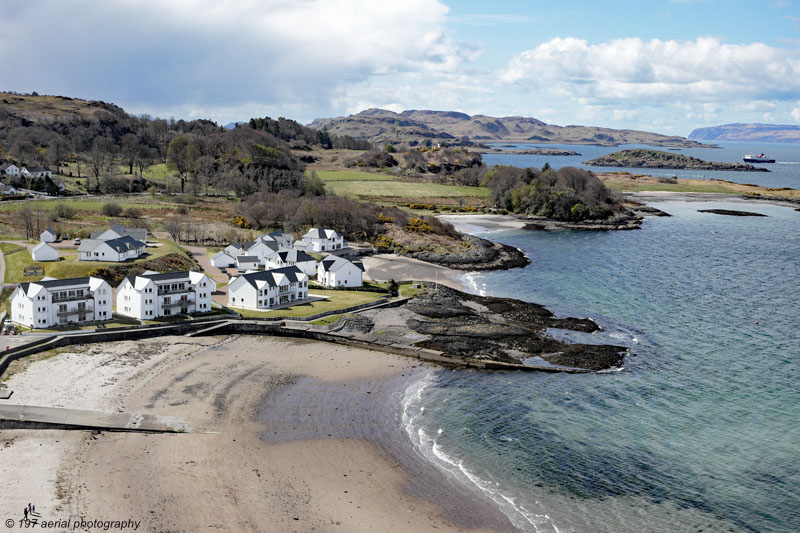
(287, 436)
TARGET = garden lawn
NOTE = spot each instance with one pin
(336, 299)
(68, 265)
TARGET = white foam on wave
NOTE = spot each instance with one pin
(472, 285)
(430, 450)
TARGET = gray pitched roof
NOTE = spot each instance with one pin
(330, 262)
(124, 244)
(140, 234)
(121, 244)
(166, 276)
(56, 283)
(293, 273)
(298, 256)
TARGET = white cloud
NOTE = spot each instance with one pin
(205, 54)
(632, 70)
(795, 114)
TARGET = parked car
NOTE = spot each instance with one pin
(76, 242)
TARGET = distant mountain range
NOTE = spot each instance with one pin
(773, 133)
(381, 126)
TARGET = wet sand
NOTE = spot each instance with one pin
(289, 436)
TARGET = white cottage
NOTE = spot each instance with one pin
(53, 302)
(36, 172)
(266, 289)
(261, 249)
(233, 249)
(44, 252)
(285, 240)
(222, 259)
(292, 257)
(48, 235)
(153, 295)
(248, 262)
(320, 240)
(9, 169)
(335, 271)
(115, 250)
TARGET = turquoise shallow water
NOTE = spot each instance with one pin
(699, 432)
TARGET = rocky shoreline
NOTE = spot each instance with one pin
(627, 220)
(487, 328)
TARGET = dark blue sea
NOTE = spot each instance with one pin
(785, 172)
(700, 431)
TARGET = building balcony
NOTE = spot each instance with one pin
(75, 311)
(179, 303)
(62, 299)
(185, 290)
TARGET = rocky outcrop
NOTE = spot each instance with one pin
(731, 212)
(643, 158)
(624, 220)
(502, 329)
(479, 255)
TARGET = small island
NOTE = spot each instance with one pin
(644, 158)
(532, 151)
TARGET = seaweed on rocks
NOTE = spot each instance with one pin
(502, 329)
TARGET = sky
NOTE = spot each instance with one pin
(667, 66)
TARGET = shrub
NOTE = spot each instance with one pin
(133, 212)
(64, 211)
(111, 209)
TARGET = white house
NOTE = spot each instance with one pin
(284, 240)
(7, 189)
(233, 249)
(54, 302)
(118, 230)
(152, 295)
(36, 172)
(293, 257)
(261, 249)
(266, 289)
(9, 169)
(48, 235)
(222, 259)
(248, 262)
(320, 240)
(335, 271)
(44, 252)
(115, 250)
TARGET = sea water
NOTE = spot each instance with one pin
(785, 172)
(700, 431)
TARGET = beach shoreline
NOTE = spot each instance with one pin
(284, 438)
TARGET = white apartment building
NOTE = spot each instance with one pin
(153, 295)
(53, 302)
(266, 289)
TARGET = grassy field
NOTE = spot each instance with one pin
(402, 190)
(336, 299)
(68, 266)
(351, 175)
